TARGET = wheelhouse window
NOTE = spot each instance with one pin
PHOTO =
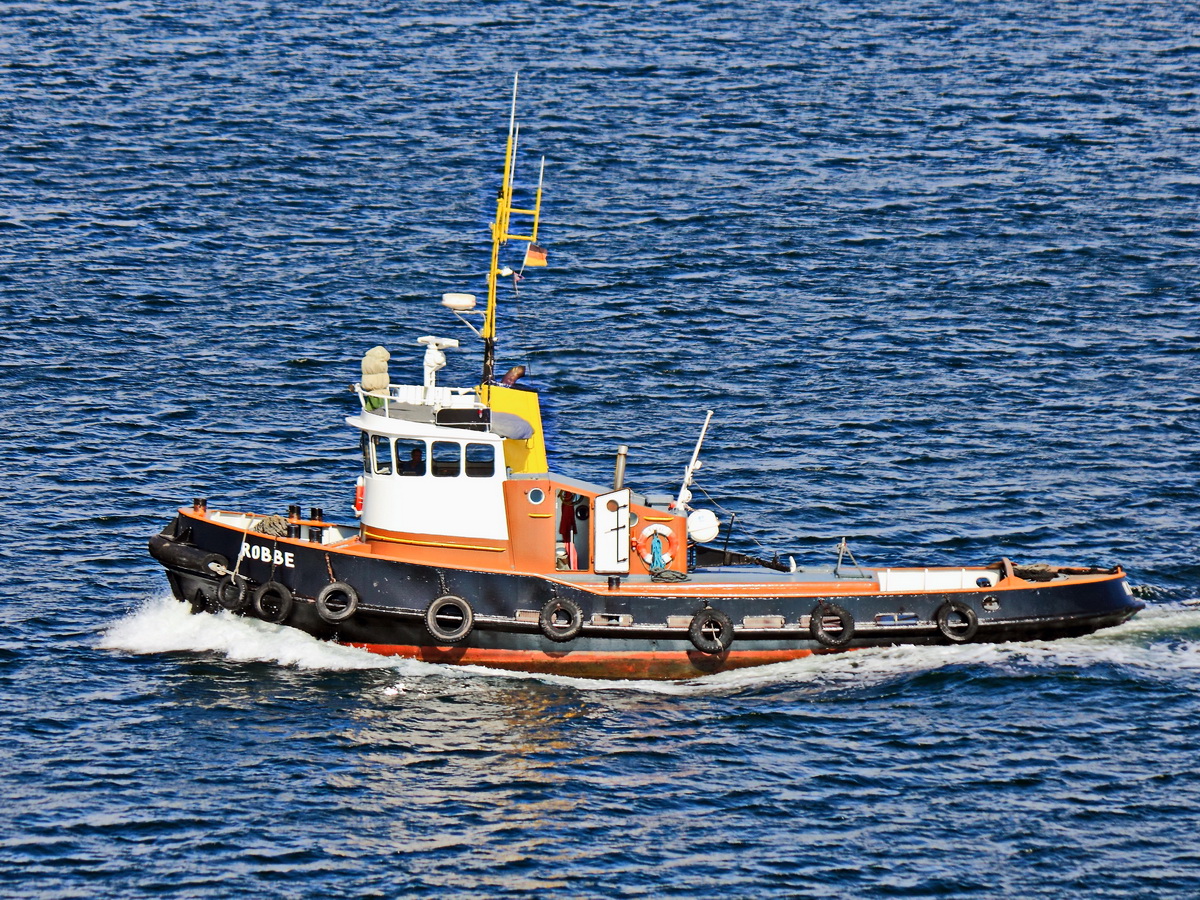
(410, 455)
(381, 455)
(445, 458)
(481, 460)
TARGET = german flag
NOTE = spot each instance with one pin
(535, 255)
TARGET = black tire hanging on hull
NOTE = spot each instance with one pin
(273, 603)
(711, 631)
(839, 635)
(956, 621)
(337, 602)
(449, 619)
(548, 619)
(233, 594)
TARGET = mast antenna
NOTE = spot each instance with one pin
(685, 493)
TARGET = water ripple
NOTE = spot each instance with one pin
(934, 266)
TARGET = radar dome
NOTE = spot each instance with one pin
(459, 302)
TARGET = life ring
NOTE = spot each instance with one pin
(360, 494)
(820, 631)
(711, 631)
(337, 602)
(645, 544)
(449, 619)
(233, 593)
(273, 603)
(552, 623)
(956, 621)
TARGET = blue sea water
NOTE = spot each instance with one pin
(934, 265)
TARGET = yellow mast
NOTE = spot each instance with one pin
(520, 455)
(500, 236)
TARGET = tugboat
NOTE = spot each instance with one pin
(470, 550)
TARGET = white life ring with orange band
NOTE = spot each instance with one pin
(645, 543)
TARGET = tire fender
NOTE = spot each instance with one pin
(548, 619)
(711, 631)
(273, 603)
(337, 602)
(834, 639)
(449, 619)
(233, 594)
(956, 621)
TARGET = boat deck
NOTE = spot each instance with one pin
(759, 579)
(733, 575)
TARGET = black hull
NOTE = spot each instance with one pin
(394, 596)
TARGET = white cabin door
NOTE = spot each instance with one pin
(610, 536)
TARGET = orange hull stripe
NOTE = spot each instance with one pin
(615, 664)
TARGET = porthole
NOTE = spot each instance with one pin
(990, 603)
(633, 518)
(536, 496)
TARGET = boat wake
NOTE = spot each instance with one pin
(166, 625)
(1162, 642)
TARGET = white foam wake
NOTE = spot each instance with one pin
(165, 625)
(1161, 642)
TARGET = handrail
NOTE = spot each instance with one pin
(396, 393)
